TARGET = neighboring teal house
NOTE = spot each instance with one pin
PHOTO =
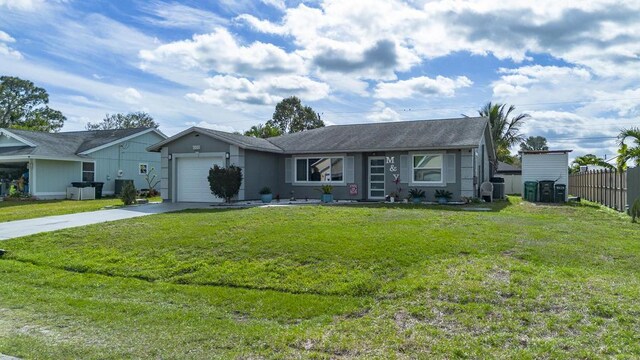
(49, 162)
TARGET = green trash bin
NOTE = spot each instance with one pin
(531, 191)
(560, 193)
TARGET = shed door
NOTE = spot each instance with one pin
(192, 183)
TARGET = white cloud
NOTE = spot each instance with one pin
(4, 37)
(129, 96)
(220, 52)
(582, 134)
(603, 35)
(381, 113)
(175, 15)
(6, 50)
(421, 86)
(22, 5)
(9, 52)
(626, 103)
(547, 87)
(210, 125)
(230, 91)
(278, 4)
(167, 105)
(521, 80)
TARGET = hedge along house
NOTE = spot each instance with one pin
(51, 161)
(361, 161)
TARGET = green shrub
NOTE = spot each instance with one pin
(326, 189)
(445, 194)
(225, 182)
(635, 210)
(416, 193)
(128, 194)
(265, 191)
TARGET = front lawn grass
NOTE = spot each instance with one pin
(401, 281)
(22, 210)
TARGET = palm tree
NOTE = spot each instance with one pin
(626, 152)
(589, 159)
(505, 129)
(263, 131)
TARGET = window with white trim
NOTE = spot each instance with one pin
(427, 168)
(88, 171)
(143, 169)
(316, 169)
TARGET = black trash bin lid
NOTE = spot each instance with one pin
(81, 184)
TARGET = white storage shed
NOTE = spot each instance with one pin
(546, 165)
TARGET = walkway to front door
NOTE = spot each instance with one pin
(376, 178)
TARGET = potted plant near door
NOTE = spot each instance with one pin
(266, 195)
(416, 195)
(327, 195)
(443, 196)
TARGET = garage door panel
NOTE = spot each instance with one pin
(193, 185)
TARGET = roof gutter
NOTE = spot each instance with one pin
(37, 157)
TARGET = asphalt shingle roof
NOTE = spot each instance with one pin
(400, 135)
(65, 144)
(243, 141)
(503, 167)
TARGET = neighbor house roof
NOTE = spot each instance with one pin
(545, 151)
(400, 135)
(65, 145)
(504, 168)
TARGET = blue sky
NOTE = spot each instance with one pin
(574, 66)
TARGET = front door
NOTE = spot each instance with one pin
(376, 178)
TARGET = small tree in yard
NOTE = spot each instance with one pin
(128, 194)
(152, 182)
(225, 182)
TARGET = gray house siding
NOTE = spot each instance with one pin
(361, 178)
(405, 172)
(126, 156)
(185, 145)
(465, 163)
(311, 191)
(261, 169)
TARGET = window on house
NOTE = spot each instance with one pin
(427, 168)
(88, 171)
(143, 169)
(320, 169)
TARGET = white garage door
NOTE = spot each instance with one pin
(193, 185)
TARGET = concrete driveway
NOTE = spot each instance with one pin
(14, 229)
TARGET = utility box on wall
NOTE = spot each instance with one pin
(543, 166)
